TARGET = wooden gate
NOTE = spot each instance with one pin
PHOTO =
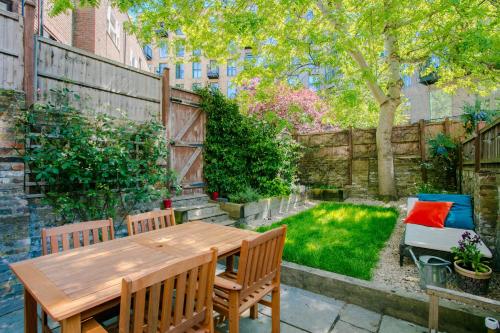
(186, 132)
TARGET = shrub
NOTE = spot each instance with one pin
(473, 114)
(92, 164)
(243, 152)
(247, 195)
(442, 164)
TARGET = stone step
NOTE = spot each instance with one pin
(190, 213)
(189, 200)
(228, 223)
(212, 217)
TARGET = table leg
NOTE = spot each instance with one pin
(72, 324)
(230, 263)
(30, 315)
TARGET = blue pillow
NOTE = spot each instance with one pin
(460, 215)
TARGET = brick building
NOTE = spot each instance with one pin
(98, 30)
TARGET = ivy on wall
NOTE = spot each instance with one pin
(92, 165)
(245, 154)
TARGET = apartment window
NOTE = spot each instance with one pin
(196, 70)
(180, 85)
(406, 81)
(113, 27)
(313, 81)
(440, 104)
(231, 90)
(133, 61)
(180, 50)
(231, 68)
(162, 67)
(179, 32)
(6, 5)
(214, 85)
(196, 86)
(163, 51)
(197, 52)
(293, 80)
(179, 71)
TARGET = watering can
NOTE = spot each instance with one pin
(434, 271)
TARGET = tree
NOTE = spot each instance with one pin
(369, 45)
(298, 109)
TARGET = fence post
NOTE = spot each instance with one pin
(477, 150)
(447, 125)
(165, 98)
(351, 156)
(423, 157)
(29, 66)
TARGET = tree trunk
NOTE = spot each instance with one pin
(385, 160)
(386, 180)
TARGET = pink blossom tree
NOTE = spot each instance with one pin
(301, 108)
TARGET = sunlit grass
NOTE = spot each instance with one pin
(340, 238)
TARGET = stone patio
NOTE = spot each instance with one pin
(301, 311)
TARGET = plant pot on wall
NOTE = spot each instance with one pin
(215, 196)
(476, 283)
(167, 203)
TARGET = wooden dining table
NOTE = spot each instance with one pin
(69, 284)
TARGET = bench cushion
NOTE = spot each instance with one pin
(460, 215)
(440, 239)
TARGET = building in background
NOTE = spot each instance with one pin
(191, 70)
(98, 30)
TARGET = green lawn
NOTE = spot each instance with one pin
(341, 238)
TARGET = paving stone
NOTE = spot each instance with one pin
(309, 311)
(259, 325)
(343, 327)
(392, 325)
(360, 317)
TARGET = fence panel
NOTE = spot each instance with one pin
(482, 150)
(105, 85)
(11, 51)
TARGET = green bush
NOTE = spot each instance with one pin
(442, 164)
(92, 164)
(247, 195)
(242, 152)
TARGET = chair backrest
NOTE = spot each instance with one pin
(75, 235)
(260, 260)
(173, 298)
(154, 220)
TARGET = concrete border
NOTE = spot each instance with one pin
(413, 307)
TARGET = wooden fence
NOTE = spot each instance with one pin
(105, 85)
(11, 51)
(482, 150)
(348, 158)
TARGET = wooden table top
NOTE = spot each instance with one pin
(71, 282)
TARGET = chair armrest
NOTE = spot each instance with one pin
(226, 284)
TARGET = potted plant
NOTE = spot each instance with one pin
(473, 274)
(172, 187)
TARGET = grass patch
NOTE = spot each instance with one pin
(338, 237)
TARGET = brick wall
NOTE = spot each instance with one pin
(84, 29)
(484, 186)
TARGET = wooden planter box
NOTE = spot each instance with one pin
(327, 194)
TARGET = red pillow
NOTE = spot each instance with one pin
(429, 214)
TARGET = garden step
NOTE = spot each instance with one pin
(189, 200)
(212, 217)
(226, 222)
(194, 212)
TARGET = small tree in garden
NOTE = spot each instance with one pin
(92, 164)
(300, 109)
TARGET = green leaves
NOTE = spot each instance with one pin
(93, 165)
(244, 155)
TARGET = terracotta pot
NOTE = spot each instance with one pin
(472, 282)
(215, 196)
(167, 203)
(481, 125)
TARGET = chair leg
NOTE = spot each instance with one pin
(275, 310)
(234, 314)
(254, 311)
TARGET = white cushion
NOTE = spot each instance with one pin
(440, 239)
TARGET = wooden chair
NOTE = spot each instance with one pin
(174, 298)
(154, 220)
(76, 235)
(258, 275)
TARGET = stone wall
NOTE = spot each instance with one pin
(484, 186)
(348, 159)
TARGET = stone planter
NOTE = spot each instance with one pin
(327, 194)
(472, 282)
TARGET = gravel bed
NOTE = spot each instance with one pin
(389, 273)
